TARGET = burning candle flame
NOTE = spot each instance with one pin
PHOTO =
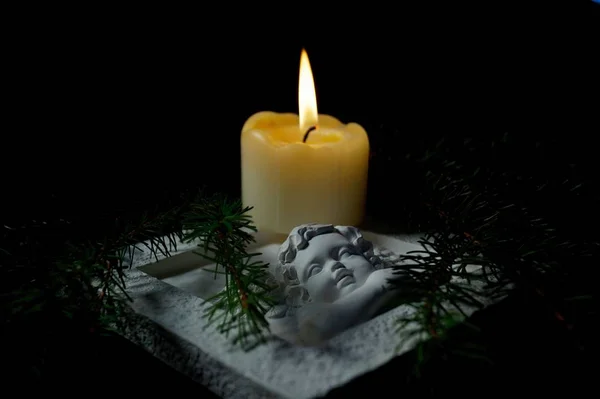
(307, 98)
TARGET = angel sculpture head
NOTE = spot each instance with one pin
(323, 263)
(329, 279)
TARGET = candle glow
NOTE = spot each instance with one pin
(307, 97)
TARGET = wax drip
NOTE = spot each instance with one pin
(310, 129)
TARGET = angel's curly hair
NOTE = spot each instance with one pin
(291, 288)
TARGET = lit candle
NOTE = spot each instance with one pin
(303, 168)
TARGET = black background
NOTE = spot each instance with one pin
(129, 101)
(112, 111)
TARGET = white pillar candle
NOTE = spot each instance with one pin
(289, 181)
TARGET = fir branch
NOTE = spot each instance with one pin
(481, 215)
(84, 280)
(224, 230)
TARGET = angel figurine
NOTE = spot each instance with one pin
(328, 279)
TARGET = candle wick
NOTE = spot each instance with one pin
(310, 129)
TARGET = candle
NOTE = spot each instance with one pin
(303, 168)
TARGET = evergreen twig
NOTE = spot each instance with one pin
(84, 280)
(224, 230)
(476, 219)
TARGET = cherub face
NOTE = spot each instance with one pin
(331, 267)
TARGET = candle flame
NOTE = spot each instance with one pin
(307, 98)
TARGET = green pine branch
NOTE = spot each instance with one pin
(83, 281)
(480, 215)
(224, 230)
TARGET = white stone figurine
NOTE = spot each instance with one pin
(329, 279)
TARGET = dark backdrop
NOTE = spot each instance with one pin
(106, 113)
(109, 116)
